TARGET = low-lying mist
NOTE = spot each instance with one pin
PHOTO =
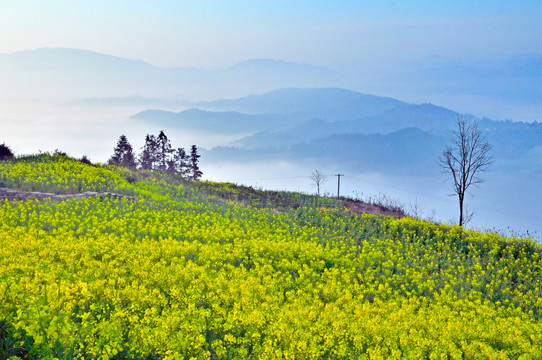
(32, 127)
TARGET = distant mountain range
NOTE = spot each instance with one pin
(342, 126)
(62, 75)
(271, 111)
(407, 150)
(297, 108)
(335, 103)
(424, 117)
(58, 74)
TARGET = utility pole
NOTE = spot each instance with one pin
(339, 184)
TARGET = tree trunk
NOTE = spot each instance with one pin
(461, 197)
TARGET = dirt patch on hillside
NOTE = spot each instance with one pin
(360, 207)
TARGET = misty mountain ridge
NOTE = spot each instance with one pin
(286, 116)
(426, 117)
(333, 103)
(290, 110)
(68, 59)
(409, 149)
(278, 111)
(307, 124)
(509, 86)
(62, 74)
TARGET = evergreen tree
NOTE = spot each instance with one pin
(181, 162)
(129, 159)
(171, 168)
(149, 154)
(164, 151)
(123, 154)
(194, 159)
(5, 152)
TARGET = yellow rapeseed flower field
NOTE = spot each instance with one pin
(175, 274)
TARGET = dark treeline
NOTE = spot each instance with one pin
(158, 154)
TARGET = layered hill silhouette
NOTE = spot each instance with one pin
(88, 78)
(338, 125)
(61, 74)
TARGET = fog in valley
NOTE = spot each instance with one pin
(32, 127)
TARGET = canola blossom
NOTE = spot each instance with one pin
(176, 274)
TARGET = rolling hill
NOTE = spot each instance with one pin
(184, 269)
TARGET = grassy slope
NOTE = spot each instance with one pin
(186, 271)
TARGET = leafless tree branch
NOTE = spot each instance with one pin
(466, 160)
(318, 178)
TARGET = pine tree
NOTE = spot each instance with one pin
(181, 161)
(149, 154)
(123, 154)
(194, 159)
(164, 151)
(171, 168)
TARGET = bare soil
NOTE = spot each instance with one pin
(360, 207)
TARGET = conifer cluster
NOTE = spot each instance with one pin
(158, 154)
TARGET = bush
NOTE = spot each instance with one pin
(5, 152)
(85, 160)
(58, 152)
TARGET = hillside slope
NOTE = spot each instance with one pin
(181, 272)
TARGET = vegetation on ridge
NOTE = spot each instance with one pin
(182, 272)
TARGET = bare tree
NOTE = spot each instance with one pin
(465, 160)
(318, 179)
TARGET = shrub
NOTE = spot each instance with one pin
(5, 152)
(85, 160)
(58, 152)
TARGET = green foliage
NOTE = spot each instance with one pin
(213, 271)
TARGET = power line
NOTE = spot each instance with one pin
(277, 178)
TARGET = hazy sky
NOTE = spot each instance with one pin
(212, 34)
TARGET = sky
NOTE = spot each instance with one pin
(214, 34)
